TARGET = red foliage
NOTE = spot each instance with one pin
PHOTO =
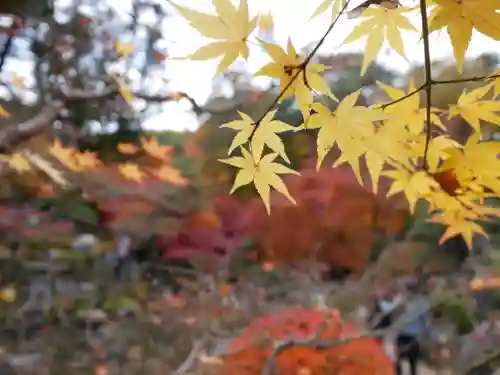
(217, 232)
(250, 352)
(334, 217)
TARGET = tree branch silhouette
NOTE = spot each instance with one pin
(301, 68)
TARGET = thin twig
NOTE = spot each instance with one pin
(398, 100)
(428, 80)
(462, 80)
(193, 354)
(302, 67)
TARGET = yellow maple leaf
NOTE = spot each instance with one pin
(127, 148)
(266, 22)
(171, 175)
(473, 109)
(131, 171)
(4, 113)
(157, 150)
(458, 224)
(65, 155)
(266, 134)
(87, 160)
(123, 89)
(231, 27)
(294, 78)
(438, 149)
(263, 173)
(336, 7)
(350, 139)
(408, 112)
(19, 163)
(461, 17)
(414, 185)
(381, 23)
(124, 49)
(477, 162)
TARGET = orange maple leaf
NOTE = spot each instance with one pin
(172, 175)
(127, 148)
(131, 171)
(156, 150)
(88, 160)
(66, 155)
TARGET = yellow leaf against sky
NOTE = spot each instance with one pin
(171, 175)
(231, 27)
(474, 110)
(19, 163)
(265, 135)
(336, 7)
(127, 148)
(381, 24)
(264, 173)
(157, 150)
(266, 22)
(408, 112)
(131, 171)
(4, 113)
(124, 49)
(285, 66)
(123, 89)
(461, 17)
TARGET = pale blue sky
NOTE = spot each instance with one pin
(195, 78)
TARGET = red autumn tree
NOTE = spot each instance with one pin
(252, 349)
(335, 220)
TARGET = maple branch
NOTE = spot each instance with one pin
(428, 80)
(12, 135)
(113, 89)
(301, 68)
(410, 94)
(462, 80)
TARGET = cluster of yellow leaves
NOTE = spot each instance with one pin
(77, 161)
(392, 137)
(24, 161)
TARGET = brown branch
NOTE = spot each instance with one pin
(13, 135)
(113, 90)
(398, 100)
(464, 80)
(428, 80)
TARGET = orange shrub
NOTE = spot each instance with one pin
(358, 356)
(334, 217)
